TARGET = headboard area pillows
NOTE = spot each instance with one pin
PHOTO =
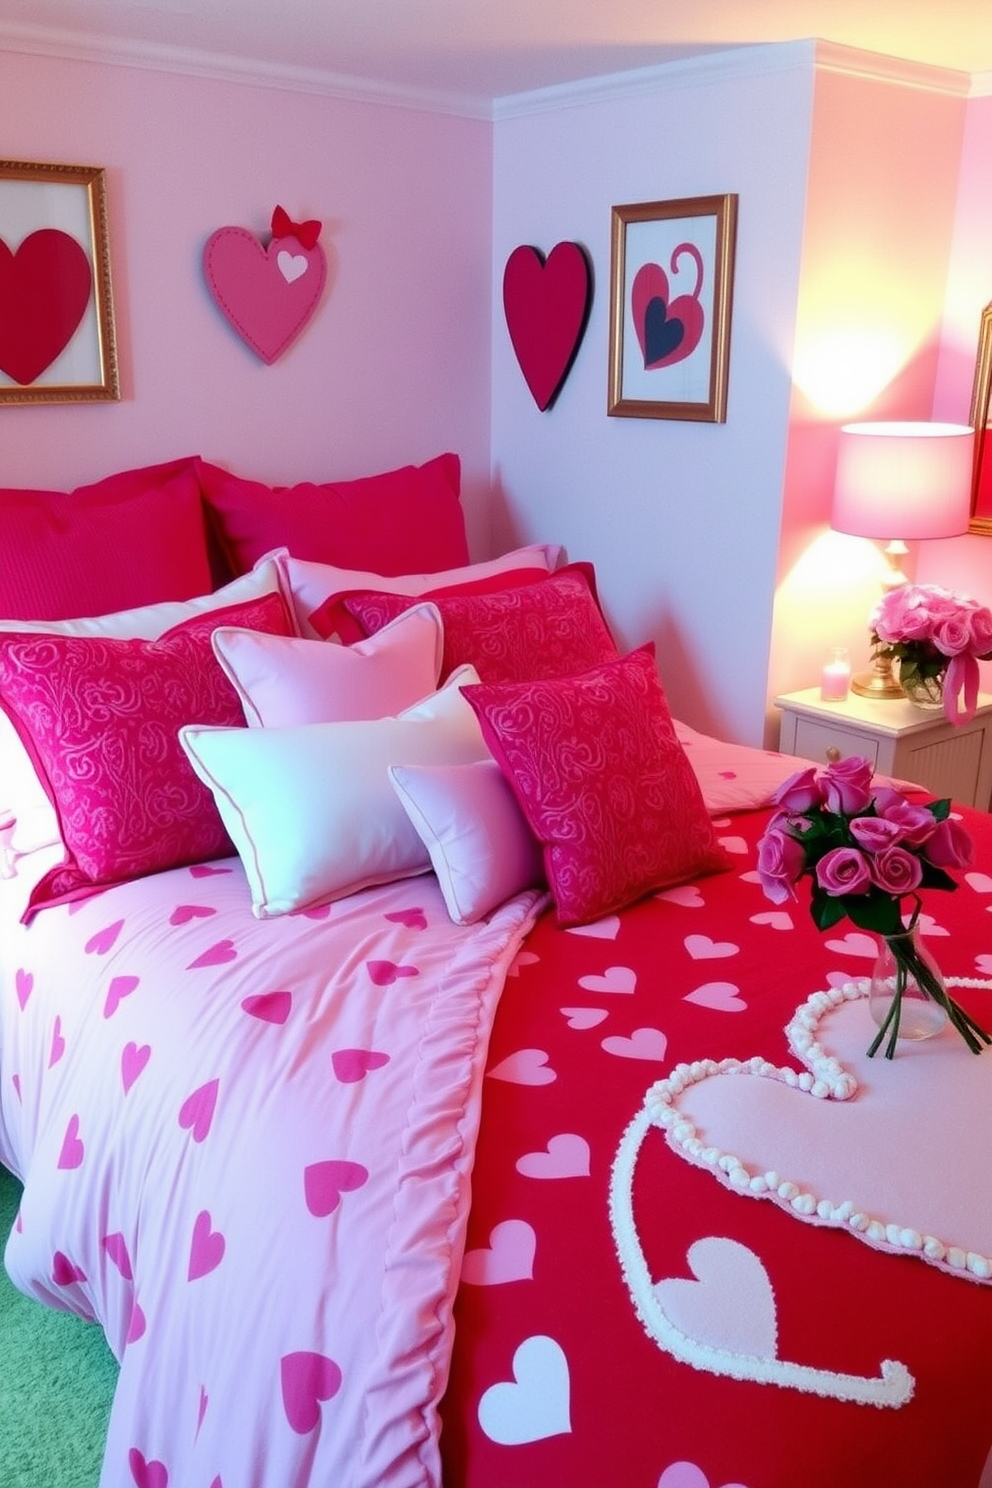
(136, 538)
(100, 718)
(399, 522)
(603, 783)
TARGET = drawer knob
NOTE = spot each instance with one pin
(833, 754)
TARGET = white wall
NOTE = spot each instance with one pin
(681, 518)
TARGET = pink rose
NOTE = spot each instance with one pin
(902, 615)
(949, 845)
(781, 860)
(875, 833)
(981, 631)
(800, 792)
(842, 871)
(953, 635)
(847, 785)
(916, 823)
(896, 871)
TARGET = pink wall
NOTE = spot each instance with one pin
(395, 365)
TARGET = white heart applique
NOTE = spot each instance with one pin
(292, 266)
(730, 1305)
(536, 1404)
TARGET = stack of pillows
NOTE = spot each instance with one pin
(340, 714)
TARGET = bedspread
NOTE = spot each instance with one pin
(632, 1312)
(246, 1150)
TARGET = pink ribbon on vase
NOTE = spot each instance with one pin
(962, 676)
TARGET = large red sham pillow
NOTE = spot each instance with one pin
(401, 521)
(552, 627)
(603, 782)
(100, 720)
(135, 538)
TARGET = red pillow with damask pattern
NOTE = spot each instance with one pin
(603, 782)
(552, 627)
(100, 719)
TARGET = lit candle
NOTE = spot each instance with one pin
(835, 679)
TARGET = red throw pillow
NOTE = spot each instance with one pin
(333, 619)
(136, 538)
(100, 719)
(603, 782)
(402, 521)
(551, 627)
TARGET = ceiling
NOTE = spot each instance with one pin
(486, 49)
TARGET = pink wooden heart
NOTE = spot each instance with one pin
(266, 294)
(44, 290)
(546, 303)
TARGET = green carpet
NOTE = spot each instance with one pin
(57, 1377)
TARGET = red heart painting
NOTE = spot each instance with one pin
(668, 330)
(45, 287)
(546, 303)
(266, 294)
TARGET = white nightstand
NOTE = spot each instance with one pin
(898, 738)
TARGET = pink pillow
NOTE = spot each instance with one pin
(136, 538)
(603, 782)
(550, 628)
(398, 522)
(100, 719)
(283, 682)
(481, 848)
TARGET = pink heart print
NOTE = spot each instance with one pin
(352, 1065)
(197, 1111)
(206, 870)
(526, 1067)
(116, 1248)
(510, 1256)
(64, 1271)
(325, 1182)
(120, 987)
(614, 979)
(23, 984)
(215, 955)
(183, 913)
(567, 1156)
(307, 1380)
(100, 943)
(413, 919)
(269, 1007)
(58, 1044)
(136, 1325)
(147, 1474)
(688, 1475)
(206, 1248)
(643, 1043)
(384, 973)
(73, 1151)
(722, 997)
(703, 948)
(583, 1017)
(134, 1057)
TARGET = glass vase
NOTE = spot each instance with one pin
(907, 998)
(923, 692)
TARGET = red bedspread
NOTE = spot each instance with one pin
(555, 1381)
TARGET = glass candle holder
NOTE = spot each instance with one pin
(835, 679)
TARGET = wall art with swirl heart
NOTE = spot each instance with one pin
(57, 342)
(547, 302)
(267, 292)
(671, 287)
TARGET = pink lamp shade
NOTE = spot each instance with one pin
(903, 480)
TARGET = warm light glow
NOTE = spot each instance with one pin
(842, 372)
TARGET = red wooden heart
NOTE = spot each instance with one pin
(44, 290)
(266, 294)
(546, 303)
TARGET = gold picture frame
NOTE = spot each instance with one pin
(57, 336)
(671, 294)
(981, 416)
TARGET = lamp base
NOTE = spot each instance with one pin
(877, 684)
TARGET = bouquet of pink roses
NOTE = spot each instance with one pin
(866, 849)
(934, 633)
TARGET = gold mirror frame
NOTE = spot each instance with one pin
(981, 485)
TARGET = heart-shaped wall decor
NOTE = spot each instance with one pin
(668, 329)
(45, 287)
(267, 294)
(546, 302)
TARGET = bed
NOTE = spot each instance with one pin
(387, 1148)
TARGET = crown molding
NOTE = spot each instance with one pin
(981, 85)
(77, 46)
(832, 57)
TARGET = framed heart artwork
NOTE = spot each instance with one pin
(57, 338)
(671, 290)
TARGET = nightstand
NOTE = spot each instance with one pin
(899, 739)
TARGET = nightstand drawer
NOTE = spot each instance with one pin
(825, 742)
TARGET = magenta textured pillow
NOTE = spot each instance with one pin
(399, 522)
(100, 719)
(603, 782)
(136, 538)
(550, 628)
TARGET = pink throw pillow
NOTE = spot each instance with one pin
(136, 538)
(100, 719)
(603, 782)
(283, 682)
(397, 522)
(481, 848)
(550, 628)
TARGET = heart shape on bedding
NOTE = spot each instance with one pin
(855, 1143)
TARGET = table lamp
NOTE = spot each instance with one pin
(897, 481)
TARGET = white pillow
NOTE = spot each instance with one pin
(480, 845)
(311, 809)
(312, 583)
(283, 681)
(20, 789)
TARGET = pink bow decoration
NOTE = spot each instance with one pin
(283, 226)
(962, 676)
